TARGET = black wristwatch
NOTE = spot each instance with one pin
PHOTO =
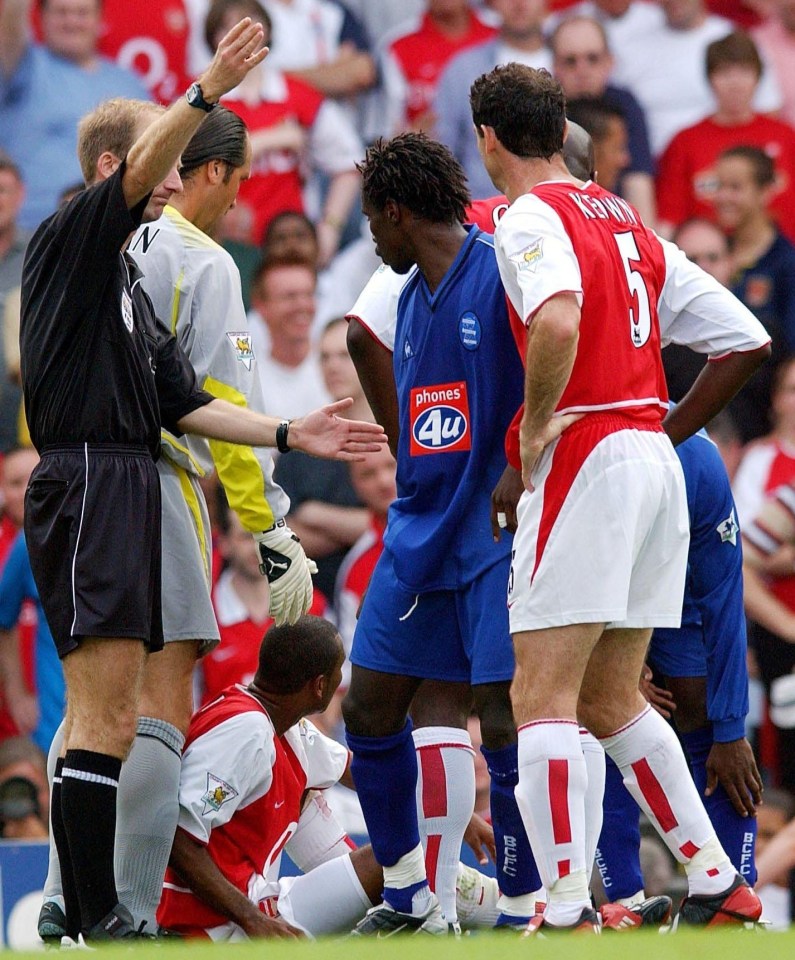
(281, 437)
(195, 98)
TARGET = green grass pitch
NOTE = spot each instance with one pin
(686, 945)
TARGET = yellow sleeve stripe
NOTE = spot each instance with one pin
(239, 469)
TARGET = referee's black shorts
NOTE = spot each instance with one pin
(92, 524)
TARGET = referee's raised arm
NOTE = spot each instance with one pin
(159, 147)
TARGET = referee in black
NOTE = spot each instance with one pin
(100, 375)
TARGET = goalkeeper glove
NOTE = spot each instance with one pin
(289, 572)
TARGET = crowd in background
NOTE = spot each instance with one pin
(691, 107)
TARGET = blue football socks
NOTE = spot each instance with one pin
(618, 853)
(385, 772)
(737, 834)
(517, 873)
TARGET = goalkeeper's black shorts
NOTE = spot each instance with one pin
(92, 523)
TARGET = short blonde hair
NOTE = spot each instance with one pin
(112, 127)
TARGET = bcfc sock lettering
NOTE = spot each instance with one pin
(618, 853)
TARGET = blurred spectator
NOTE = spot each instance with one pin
(686, 180)
(324, 510)
(46, 88)
(770, 604)
(373, 479)
(339, 373)
(745, 13)
(13, 242)
(294, 235)
(776, 39)
(414, 57)
(37, 708)
(775, 857)
(607, 128)
(291, 234)
(339, 285)
(767, 465)
(583, 64)
(520, 39)
(12, 306)
(763, 262)
(152, 39)
(706, 245)
(283, 308)
(384, 17)
(723, 432)
(321, 42)
(20, 813)
(291, 124)
(240, 599)
(623, 20)
(770, 461)
(21, 762)
(9, 323)
(664, 68)
(15, 471)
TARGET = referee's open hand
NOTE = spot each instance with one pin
(324, 433)
(239, 51)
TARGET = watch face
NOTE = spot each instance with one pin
(195, 98)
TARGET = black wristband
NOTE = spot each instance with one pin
(281, 437)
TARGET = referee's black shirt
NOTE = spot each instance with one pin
(97, 366)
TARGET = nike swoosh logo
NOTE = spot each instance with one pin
(279, 804)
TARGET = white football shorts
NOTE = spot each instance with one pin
(328, 899)
(603, 538)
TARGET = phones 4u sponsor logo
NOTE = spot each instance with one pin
(440, 419)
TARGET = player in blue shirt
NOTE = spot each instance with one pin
(704, 667)
(436, 606)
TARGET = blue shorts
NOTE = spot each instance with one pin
(455, 635)
(679, 653)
